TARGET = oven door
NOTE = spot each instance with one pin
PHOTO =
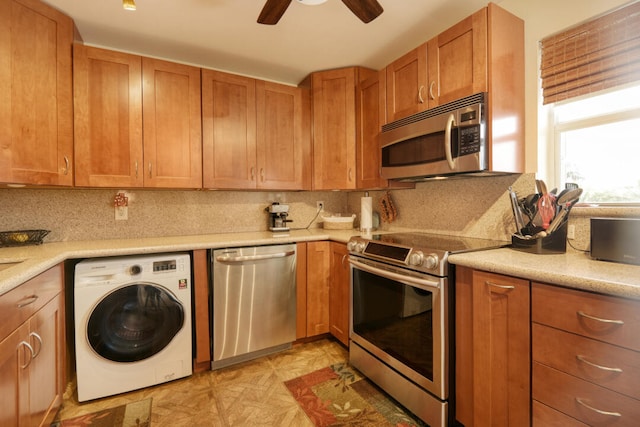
(400, 317)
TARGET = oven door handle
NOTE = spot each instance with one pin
(409, 280)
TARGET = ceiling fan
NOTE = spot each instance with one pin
(366, 10)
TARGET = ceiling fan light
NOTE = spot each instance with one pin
(129, 4)
(312, 2)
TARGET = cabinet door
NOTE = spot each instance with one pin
(334, 133)
(407, 84)
(229, 130)
(318, 271)
(46, 369)
(14, 378)
(36, 106)
(370, 115)
(501, 350)
(339, 293)
(108, 118)
(281, 143)
(457, 60)
(172, 125)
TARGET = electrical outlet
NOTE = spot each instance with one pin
(320, 205)
(571, 231)
(122, 213)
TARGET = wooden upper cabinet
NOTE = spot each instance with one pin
(36, 106)
(172, 139)
(283, 142)
(370, 115)
(108, 118)
(457, 60)
(229, 130)
(137, 121)
(334, 127)
(407, 84)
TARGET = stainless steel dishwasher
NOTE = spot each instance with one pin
(254, 302)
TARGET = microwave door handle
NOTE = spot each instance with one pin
(451, 121)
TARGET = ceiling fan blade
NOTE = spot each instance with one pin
(366, 10)
(273, 11)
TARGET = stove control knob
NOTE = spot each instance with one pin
(355, 247)
(431, 261)
(416, 258)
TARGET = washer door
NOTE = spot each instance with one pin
(134, 322)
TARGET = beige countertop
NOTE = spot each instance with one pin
(574, 270)
(33, 260)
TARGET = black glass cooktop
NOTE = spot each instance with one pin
(438, 243)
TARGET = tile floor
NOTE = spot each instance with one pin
(247, 394)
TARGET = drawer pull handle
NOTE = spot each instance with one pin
(601, 412)
(495, 285)
(597, 319)
(28, 300)
(604, 368)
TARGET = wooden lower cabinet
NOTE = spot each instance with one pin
(322, 290)
(339, 293)
(202, 322)
(32, 351)
(314, 288)
(493, 349)
(586, 358)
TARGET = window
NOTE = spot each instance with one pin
(597, 145)
(590, 77)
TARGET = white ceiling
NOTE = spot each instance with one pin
(224, 34)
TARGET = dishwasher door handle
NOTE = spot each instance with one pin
(246, 258)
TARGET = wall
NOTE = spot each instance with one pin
(543, 18)
(473, 207)
(77, 214)
(470, 206)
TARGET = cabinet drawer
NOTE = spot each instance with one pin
(587, 402)
(612, 367)
(544, 416)
(604, 318)
(20, 303)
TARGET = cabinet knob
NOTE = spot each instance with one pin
(431, 86)
(420, 98)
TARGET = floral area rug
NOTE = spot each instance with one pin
(135, 414)
(339, 396)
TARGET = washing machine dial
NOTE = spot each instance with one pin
(135, 270)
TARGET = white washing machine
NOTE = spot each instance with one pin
(132, 323)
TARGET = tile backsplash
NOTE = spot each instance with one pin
(474, 207)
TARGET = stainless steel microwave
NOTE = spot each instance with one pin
(447, 140)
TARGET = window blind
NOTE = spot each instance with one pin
(599, 54)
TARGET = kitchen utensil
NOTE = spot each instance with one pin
(569, 196)
(547, 209)
(517, 215)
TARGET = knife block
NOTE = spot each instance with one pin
(554, 243)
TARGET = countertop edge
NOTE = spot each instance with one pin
(573, 270)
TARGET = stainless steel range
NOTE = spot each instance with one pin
(401, 317)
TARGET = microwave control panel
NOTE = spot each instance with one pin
(469, 138)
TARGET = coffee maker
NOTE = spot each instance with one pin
(278, 217)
